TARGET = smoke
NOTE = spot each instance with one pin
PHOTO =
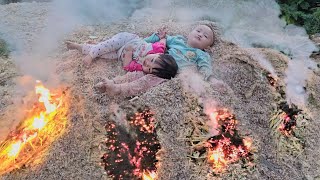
(262, 61)
(193, 82)
(63, 17)
(36, 30)
(251, 23)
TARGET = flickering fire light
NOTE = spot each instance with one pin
(149, 175)
(227, 147)
(132, 154)
(271, 79)
(44, 123)
(288, 118)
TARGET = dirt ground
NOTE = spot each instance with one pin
(243, 88)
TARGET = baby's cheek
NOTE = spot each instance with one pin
(144, 69)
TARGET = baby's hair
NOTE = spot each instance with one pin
(168, 67)
(214, 28)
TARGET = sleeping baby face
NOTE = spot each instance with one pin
(200, 37)
(150, 62)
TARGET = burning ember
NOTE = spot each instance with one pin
(271, 80)
(149, 175)
(131, 154)
(288, 118)
(44, 123)
(227, 147)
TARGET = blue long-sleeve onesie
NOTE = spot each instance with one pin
(186, 56)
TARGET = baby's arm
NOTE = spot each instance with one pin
(152, 39)
(127, 56)
(155, 37)
(130, 64)
(162, 35)
(204, 65)
(163, 41)
(128, 77)
(138, 86)
(135, 87)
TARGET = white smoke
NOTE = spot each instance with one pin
(262, 61)
(63, 17)
(35, 31)
(250, 23)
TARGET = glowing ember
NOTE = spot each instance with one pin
(45, 122)
(132, 155)
(271, 80)
(288, 118)
(149, 175)
(287, 125)
(227, 147)
(14, 149)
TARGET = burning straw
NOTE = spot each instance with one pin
(44, 123)
(272, 80)
(288, 122)
(286, 115)
(288, 118)
(131, 154)
(227, 146)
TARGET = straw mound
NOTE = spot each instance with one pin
(241, 87)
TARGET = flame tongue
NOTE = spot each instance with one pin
(227, 147)
(14, 149)
(34, 134)
(288, 118)
(149, 175)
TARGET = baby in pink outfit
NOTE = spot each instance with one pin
(134, 64)
(144, 59)
(127, 47)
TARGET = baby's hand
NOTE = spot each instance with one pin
(103, 86)
(162, 32)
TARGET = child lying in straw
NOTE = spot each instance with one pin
(144, 59)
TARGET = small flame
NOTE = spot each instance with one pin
(45, 98)
(39, 122)
(226, 146)
(149, 175)
(247, 142)
(288, 124)
(213, 116)
(217, 159)
(272, 80)
(14, 149)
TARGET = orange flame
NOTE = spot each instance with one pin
(46, 123)
(221, 148)
(285, 128)
(247, 142)
(45, 98)
(14, 149)
(149, 175)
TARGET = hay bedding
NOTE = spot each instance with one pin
(245, 91)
